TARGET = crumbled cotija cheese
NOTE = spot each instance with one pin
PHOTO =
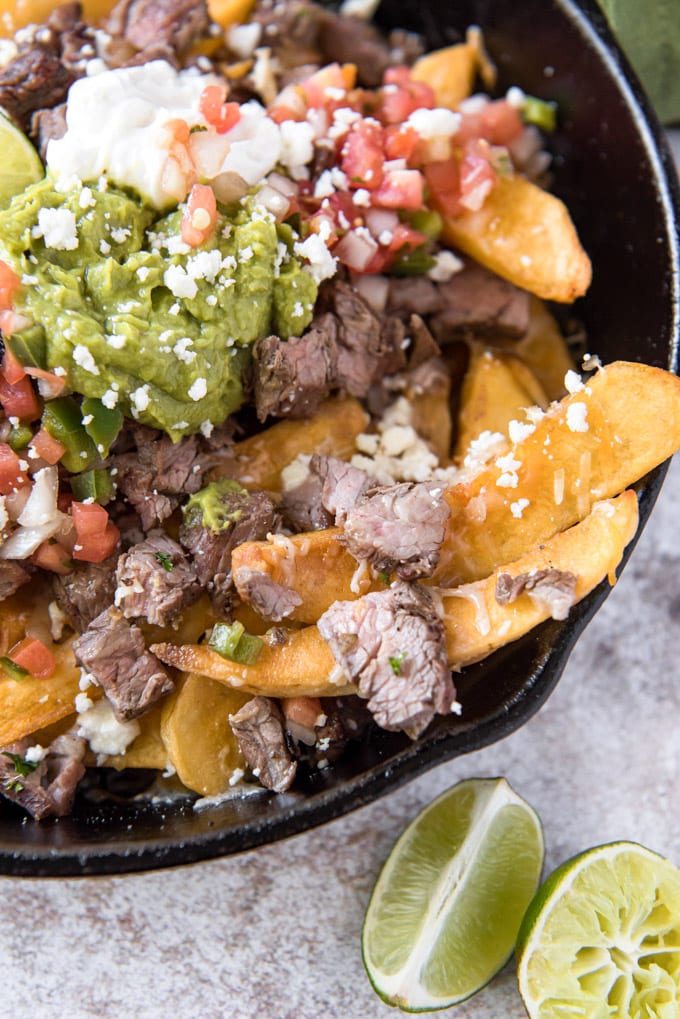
(577, 417)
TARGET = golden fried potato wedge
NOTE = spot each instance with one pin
(230, 12)
(257, 462)
(302, 667)
(543, 349)
(477, 624)
(501, 512)
(496, 389)
(525, 235)
(431, 416)
(196, 734)
(451, 72)
(147, 750)
(31, 703)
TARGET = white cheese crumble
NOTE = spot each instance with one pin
(573, 383)
(483, 448)
(446, 265)
(321, 263)
(179, 283)
(139, 399)
(35, 754)
(100, 727)
(434, 123)
(577, 417)
(198, 389)
(396, 452)
(517, 508)
(519, 430)
(57, 227)
(297, 147)
(84, 359)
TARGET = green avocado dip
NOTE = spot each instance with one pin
(129, 314)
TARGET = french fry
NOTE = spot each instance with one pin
(495, 390)
(196, 734)
(561, 471)
(32, 703)
(474, 622)
(257, 462)
(525, 235)
(431, 416)
(542, 349)
(477, 624)
(451, 72)
(302, 667)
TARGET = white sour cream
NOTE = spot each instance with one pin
(116, 126)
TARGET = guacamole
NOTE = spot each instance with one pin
(128, 313)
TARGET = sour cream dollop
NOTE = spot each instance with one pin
(117, 126)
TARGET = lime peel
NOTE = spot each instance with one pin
(445, 911)
(21, 164)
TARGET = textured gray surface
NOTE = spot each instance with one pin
(275, 934)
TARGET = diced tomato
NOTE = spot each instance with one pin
(400, 75)
(400, 189)
(178, 130)
(33, 656)
(443, 182)
(219, 113)
(96, 535)
(47, 447)
(324, 87)
(500, 123)
(400, 142)
(9, 284)
(397, 103)
(19, 400)
(281, 113)
(52, 556)
(362, 155)
(477, 175)
(12, 476)
(11, 368)
(199, 216)
(49, 384)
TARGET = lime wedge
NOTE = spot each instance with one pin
(602, 938)
(20, 164)
(446, 909)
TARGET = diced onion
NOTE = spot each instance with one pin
(41, 507)
(356, 250)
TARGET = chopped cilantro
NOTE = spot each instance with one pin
(384, 577)
(396, 661)
(22, 768)
(165, 560)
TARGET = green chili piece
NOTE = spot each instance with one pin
(225, 637)
(248, 649)
(101, 423)
(426, 221)
(96, 484)
(412, 263)
(62, 419)
(29, 346)
(20, 437)
(540, 113)
(13, 670)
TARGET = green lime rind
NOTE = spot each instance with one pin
(21, 165)
(602, 938)
(445, 911)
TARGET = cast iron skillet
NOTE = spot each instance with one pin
(615, 172)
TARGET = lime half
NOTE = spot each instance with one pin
(602, 938)
(20, 164)
(446, 909)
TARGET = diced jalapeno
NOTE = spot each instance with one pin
(413, 263)
(13, 670)
(232, 642)
(426, 221)
(63, 420)
(540, 113)
(20, 437)
(96, 484)
(101, 423)
(29, 346)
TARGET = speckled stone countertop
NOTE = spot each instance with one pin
(275, 933)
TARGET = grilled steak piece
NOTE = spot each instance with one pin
(47, 125)
(330, 489)
(554, 589)
(154, 25)
(44, 787)
(292, 377)
(236, 515)
(347, 347)
(32, 81)
(86, 591)
(270, 599)
(413, 295)
(400, 528)
(258, 727)
(130, 676)
(12, 576)
(392, 645)
(476, 300)
(157, 475)
(155, 580)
